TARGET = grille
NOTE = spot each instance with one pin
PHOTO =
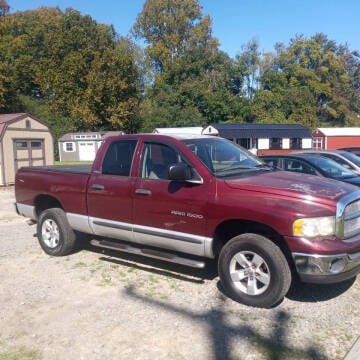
(351, 221)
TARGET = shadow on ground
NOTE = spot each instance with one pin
(153, 266)
(222, 335)
(299, 291)
(317, 292)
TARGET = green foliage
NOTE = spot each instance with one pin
(193, 80)
(248, 65)
(20, 354)
(313, 82)
(171, 28)
(67, 69)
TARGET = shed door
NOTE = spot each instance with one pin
(87, 151)
(29, 152)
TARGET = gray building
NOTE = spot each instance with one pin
(82, 146)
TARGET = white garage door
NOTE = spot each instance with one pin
(87, 151)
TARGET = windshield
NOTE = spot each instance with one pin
(330, 168)
(222, 157)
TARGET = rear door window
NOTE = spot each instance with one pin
(118, 158)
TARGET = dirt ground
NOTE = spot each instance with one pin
(101, 305)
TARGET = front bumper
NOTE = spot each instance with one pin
(326, 269)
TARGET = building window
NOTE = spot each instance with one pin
(248, 143)
(36, 144)
(317, 143)
(275, 143)
(295, 143)
(28, 124)
(21, 144)
(244, 142)
(69, 147)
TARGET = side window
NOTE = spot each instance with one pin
(292, 165)
(298, 166)
(271, 162)
(156, 159)
(307, 169)
(119, 157)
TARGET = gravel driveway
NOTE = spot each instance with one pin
(97, 304)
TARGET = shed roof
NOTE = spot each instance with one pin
(6, 119)
(263, 131)
(196, 130)
(103, 135)
(345, 131)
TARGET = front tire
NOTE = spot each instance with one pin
(254, 271)
(54, 233)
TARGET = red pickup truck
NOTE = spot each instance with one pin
(185, 199)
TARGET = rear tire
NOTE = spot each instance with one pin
(254, 271)
(54, 233)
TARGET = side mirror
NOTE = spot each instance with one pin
(179, 172)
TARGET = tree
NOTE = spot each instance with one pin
(313, 81)
(171, 28)
(4, 8)
(70, 66)
(248, 64)
(193, 80)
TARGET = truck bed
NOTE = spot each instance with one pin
(72, 169)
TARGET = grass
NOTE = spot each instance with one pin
(108, 275)
(20, 354)
(79, 264)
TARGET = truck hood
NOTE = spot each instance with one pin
(293, 184)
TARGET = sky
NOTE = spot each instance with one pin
(235, 22)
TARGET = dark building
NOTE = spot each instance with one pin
(267, 138)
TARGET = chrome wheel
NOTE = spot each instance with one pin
(249, 273)
(50, 233)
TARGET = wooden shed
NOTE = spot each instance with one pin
(24, 141)
(335, 138)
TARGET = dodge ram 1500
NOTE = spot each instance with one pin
(184, 199)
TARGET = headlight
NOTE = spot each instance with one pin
(312, 227)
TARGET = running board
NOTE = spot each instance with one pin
(156, 254)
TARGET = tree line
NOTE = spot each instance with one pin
(78, 75)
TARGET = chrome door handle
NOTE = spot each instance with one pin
(142, 192)
(98, 187)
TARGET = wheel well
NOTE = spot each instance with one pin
(43, 202)
(231, 228)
